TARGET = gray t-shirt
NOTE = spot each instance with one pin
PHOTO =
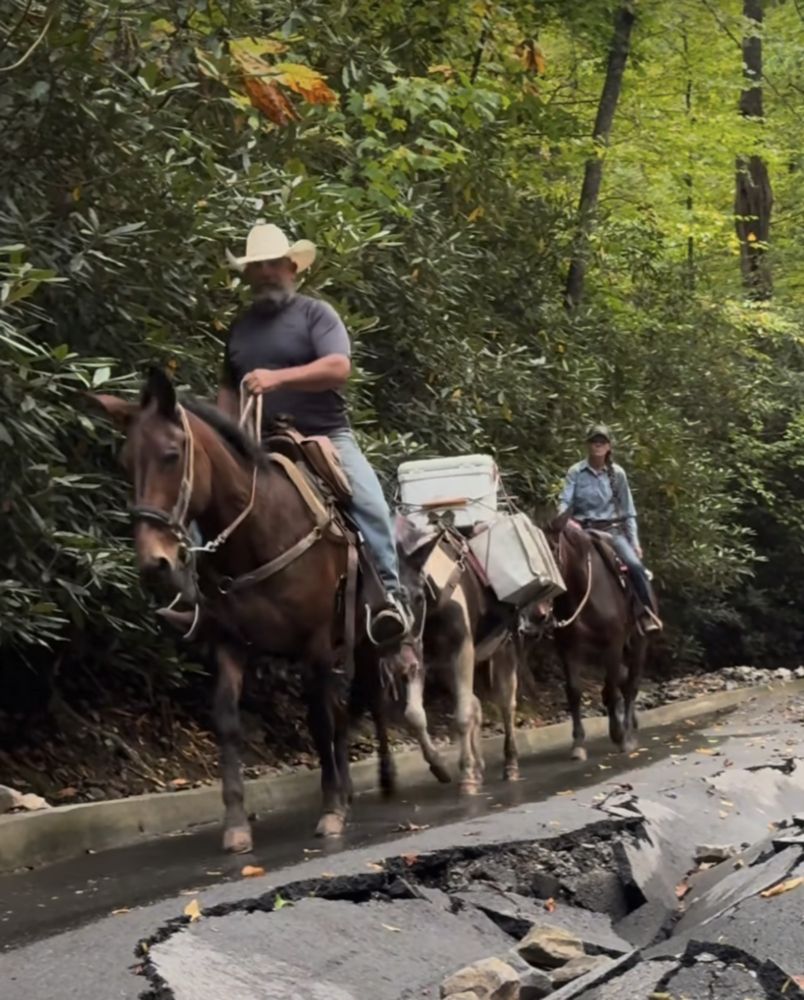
(302, 331)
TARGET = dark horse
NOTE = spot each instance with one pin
(596, 623)
(190, 463)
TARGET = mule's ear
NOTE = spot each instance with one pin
(120, 411)
(159, 388)
(418, 558)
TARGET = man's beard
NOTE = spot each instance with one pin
(271, 299)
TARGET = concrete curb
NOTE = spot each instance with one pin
(29, 840)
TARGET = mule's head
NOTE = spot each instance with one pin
(159, 460)
(413, 547)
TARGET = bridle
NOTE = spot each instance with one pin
(175, 521)
(562, 548)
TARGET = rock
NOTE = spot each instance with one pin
(713, 854)
(534, 984)
(783, 674)
(799, 672)
(10, 799)
(489, 979)
(549, 947)
(578, 967)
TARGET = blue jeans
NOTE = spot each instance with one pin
(369, 508)
(636, 570)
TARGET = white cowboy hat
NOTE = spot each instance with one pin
(268, 242)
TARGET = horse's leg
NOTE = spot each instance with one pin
(613, 695)
(321, 711)
(635, 660)
(572, 681)
(231, 663)
(387, 770)
(416, 720)
(504, 684)
(477, 738)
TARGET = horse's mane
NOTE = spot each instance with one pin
(231, 434)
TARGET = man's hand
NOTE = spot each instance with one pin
(263, 380)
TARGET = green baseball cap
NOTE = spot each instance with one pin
(598, 430)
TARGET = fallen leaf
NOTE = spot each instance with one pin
(726, 804)
(706, 751)
(410, 859)
(252, 871)
(723, 814)
(777, 890)
(550, 905)
(567, 791)
(327, 875)
(412, 827)
(122, 910)
(280, 903)
(179, 783)
(311, 850)
(213, 873)
(193, 911)
(390, 927)
(374, 866)
(681, 890)
(66, 793)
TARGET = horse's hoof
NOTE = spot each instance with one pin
(470, 786)
(439, 771)
(330, 825)
(237, 840)
(579, 753)
(511, 773)
(629, 744)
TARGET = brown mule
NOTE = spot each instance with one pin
(596, 622)
(190, 463)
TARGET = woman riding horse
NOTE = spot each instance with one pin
(597, 495)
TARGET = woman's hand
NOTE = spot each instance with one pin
(262, 380)
(638, 550)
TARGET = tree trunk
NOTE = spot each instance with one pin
(753, 196)
(593, 173)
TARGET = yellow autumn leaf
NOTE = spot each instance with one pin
(305, 81)
(442, 68)
(777, 890)
(475, 214)
(193, 911)
(75, 194)
(751, 237)
(252, 871)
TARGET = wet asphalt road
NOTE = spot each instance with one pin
(60, 936)
(39, 903)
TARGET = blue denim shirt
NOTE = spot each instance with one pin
(587, 495)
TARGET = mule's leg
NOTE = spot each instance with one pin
(416, 720)
(572, 681)
(504, 675)
(466, 713)
(387, 766)
(635, 660)
(613, 695)
(231, 662)
(477, 738)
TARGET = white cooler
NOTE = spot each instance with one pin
(517, 559)
(466, 485)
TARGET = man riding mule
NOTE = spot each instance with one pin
(294, 352)
(597, 496)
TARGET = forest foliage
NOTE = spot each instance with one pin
(436, 153)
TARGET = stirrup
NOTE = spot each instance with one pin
(390, 624)
(650, 621)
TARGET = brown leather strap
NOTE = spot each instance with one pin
(321, 515)
(350, 609)
(276, 565)
(446, 592)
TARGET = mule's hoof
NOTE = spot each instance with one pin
(471, 786)
(237, 840)
(511, 773)
(579, 753)
(330, 825)
(439, 771)
(630, 743)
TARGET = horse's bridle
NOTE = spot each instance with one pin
(176, 520)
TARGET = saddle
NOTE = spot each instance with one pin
(608, 554)
(318, 453)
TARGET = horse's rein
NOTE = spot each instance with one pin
(566, 622)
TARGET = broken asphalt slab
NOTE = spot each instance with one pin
(608, 880)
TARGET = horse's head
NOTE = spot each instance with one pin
(161, 461)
